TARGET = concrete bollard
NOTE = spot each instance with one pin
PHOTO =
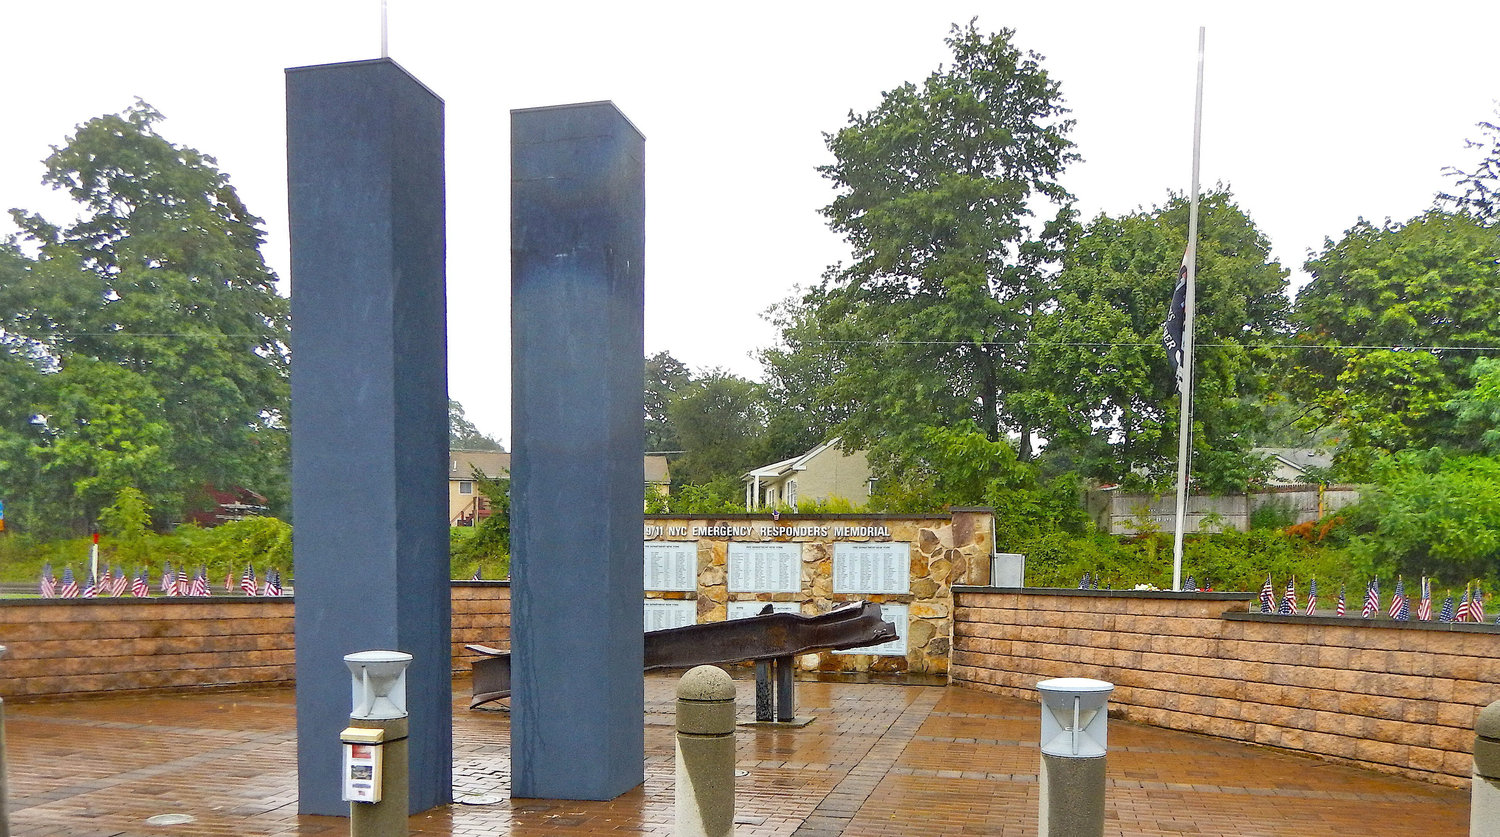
(377, 781)
(705, 754)
(1074, 742)
(1484, 802)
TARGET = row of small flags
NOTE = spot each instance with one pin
(1470, 609)
(115, 582)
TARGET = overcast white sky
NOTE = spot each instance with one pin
(1315, 113)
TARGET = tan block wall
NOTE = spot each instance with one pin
(1399, 699)
(58, 646)
(78, 646)
(481, 616)
(945, 550)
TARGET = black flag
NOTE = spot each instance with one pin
(1171, 331)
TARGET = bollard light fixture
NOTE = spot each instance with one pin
(1074, 722)
(378, 687)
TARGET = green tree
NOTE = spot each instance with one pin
(160, 277)
(128, 520)
(800, 375)
(665, 377)
(1428, 513)
(719, 418)
(464, 435)
(1477, 192)
(1107, 398)
(939, 189)
(1392, 321)
(1478, 409)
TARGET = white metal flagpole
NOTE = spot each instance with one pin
(1190, 262)
(385, 50)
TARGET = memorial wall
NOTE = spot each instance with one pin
(712, 569)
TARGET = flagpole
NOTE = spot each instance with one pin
(1185, 425)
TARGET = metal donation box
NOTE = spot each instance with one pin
(1074, 718)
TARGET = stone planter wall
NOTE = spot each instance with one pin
(1400, 697)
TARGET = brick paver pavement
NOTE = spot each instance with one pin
(881, 759)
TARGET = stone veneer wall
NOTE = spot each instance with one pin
(945, 550)
(1396, 697)
(81, 646)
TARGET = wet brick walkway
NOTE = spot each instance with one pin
(880, 760)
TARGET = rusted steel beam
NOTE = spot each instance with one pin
(767, 637)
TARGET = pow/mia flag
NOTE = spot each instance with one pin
(1171, 330)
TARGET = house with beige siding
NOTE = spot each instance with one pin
(819, 475)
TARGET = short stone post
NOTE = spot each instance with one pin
(705, 754)
(765, 700)
(1074, 742)
(1484, 803)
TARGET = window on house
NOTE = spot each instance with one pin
(791, 493)
(465, 486)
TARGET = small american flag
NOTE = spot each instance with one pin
(69, 584)
(247, 581)
(141, 587)
(1372, 599)
(1340, 610)
(48, 583)
(121, 582)
(200, 583)
(1266, 596)
(168, 580)
(1288, 606)
(273, 583)
(1398, 601)
(1312, 598)
(182, 586)
(1190, 586)
(1476, 606)
(1463, 607)
(1446, 614)
(229, 580)
(1424, 607)
(107, 583)
(1084, 584)
(90, 588)
(1094, 585)
(475, 577)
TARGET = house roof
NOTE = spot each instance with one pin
(786, 466)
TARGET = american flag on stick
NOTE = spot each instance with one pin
(1424, 606)
(200, 583)
(1446, 614)
(1288, 606)
(1266, 596)
(247, 581)
(69, 584)
(1312, 597)
(1476, 605)
(1463, 607)
(1398, 601)
(1372, 599)
(141, 587)
(121, 582)
(48, 583)
(1341, 608)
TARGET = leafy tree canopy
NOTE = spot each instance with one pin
(1477, 192)
(464, 435)
(1107, 398)
(156, 328)
(939, 189)
(1393, 320)
(666, 376)
(719, 418)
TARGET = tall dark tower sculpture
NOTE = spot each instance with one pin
(369, 410)
(577, 302)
